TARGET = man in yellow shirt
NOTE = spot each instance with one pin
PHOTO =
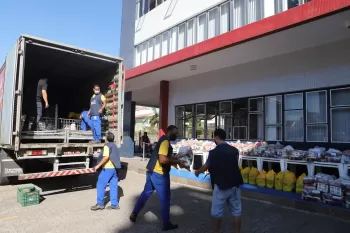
(158, 178)
(110, 161)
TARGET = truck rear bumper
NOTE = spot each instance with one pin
(42, 175)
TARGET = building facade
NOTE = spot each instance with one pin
(274, 70)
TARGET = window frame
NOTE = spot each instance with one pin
(285, 110)
(205, 26)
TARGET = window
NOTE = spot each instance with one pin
(214, 23)
(340, 115)
(225, 18)
(254, 11)
(316, 116)
(150, 50)
(212, 113)
(191, 32)
(182, 37)
(159, 2)
(240, 119)
(283, 5)
(189, 121)
(152, 4)
(165, 43)
(202, 28)
(200, 121)
(138, 7)
(144, 53)
(179, 120)
(273, 118)
(256, 118)
(138, 55)
(293, 118)
(157, 45)
(238, 14)
(225, 118)
(173, 40)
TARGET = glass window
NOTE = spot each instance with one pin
(225, 123)
(340, 97)
(256, 126)
(212, 113)
(214, 23)
(180, 111)
(273, 110)
(165, 43)
(173, 40)
(144, 53)
(150, 50)
(159, 2)
(157, 45)
(340, 125)
(200, 109)
(225, 18)
(238, 14)
(254, 11)
(202, 28)
(182, 37)
(317, 133)
(189, 121)
(138, 55)
(316, 107)
(240, 119)
(273, 133)
(225, 107)
(256, 104)
(293, 101)
(200, 124)
(191, 32)
(294, 125)
(180, 124)
(138, 9)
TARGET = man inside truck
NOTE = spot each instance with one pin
(97, 105)
(41, 100)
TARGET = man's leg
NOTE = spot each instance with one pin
(218, 208)
(39, 113)
(113, 189)
(141, 201)
(162, 186)
(236, 209)
(101, 185)
(96, 122)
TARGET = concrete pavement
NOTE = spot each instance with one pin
(69, 211)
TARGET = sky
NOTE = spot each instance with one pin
(89, 24)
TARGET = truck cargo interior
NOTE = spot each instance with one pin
(71, 77)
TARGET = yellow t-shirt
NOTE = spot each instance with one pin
(109, 163)
(103, 98)
(163, 150)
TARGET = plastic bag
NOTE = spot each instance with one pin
(289, 181)
(245, 174)
(261, 179)
(300, 184)
(270, 179)
(185, 154)
(279, 181)
(252, 175)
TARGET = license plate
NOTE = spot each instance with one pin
(322, 187)
(37, 152)
(335, 191)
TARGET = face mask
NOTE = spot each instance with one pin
(97, 92)
(173, 137)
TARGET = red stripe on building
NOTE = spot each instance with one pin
(293, 17)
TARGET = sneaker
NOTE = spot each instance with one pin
(170, 227)
(113, 207)
(133, 217)
(97, 207)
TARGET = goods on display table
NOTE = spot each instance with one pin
(185, 153)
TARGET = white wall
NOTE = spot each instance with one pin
(308, 69)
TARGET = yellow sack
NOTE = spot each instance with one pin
(270, 179)
(245, 174)
(300, 183)
(289, 181)
(261, 179)
(279, 181)
(240, 167)
(252, 175)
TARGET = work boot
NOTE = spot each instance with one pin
(113, 207)
(97, 207)
(169, 227)
(133, 217)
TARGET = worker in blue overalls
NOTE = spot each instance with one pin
(85, 123)
(157, 178)
(97, 105)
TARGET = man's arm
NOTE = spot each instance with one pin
(45, 97)
(163, 158)
(104, 103)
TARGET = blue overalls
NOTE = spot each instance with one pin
(85, 121)
(109, 175)
(95, 105)
(158, 182)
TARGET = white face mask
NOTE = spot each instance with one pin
(97, 92)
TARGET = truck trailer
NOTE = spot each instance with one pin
(57, 146)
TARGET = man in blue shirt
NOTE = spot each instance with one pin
(226, 178)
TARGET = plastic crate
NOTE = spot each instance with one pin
(28, 196)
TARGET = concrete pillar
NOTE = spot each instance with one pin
(163, 107)
(128, 114)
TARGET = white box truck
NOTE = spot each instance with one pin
(57, 147)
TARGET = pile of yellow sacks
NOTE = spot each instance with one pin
(270, 179)
(245, 174)
(253, 173)
(261, 179)
(289, 181)
(300, 184)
